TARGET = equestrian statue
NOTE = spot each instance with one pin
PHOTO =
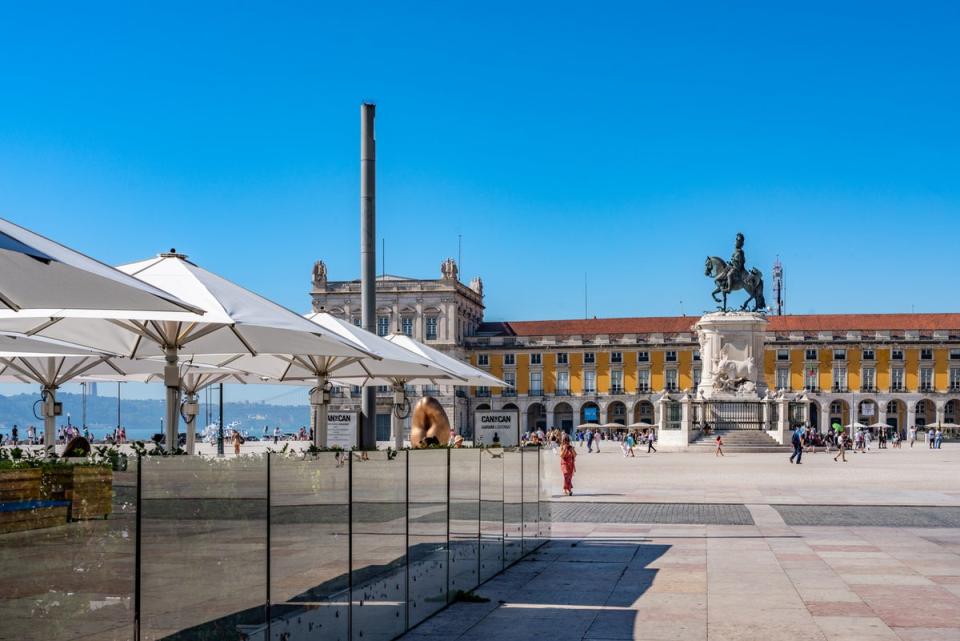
(732, 276)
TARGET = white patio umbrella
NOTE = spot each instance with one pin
(39, 274)
(235, 321)
(461, 374)
(52, 364)
(194, 378)
(396, 365)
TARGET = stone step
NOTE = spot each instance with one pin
(748, 441)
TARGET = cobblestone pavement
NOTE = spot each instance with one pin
(870, 515)
(692, 513)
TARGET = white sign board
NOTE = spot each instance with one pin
(342, 429)
(501, 426)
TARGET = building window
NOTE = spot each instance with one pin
(671, 380)
(926, 354)
(868, 355)
(643, 380)
(562, 358)
(671, 356)
(643, 357)
(696, 355)
(696, 377)
(383, 325)
(510, 378)
(836, 408)
(811, 355)
(356, 321)
(892, 407)
(783, 355)
(896, 379)
(955, 354)
(563, 383)
(954, 379)
(783, 378)
(810, 379)
(589, 382)
(868, 376)
(926, 379)
(509, 359)
(406, 325)
(896, 354)
(839, 379)
(535, 359)
(483, 360)
(616, 357)
(616, 381)
(589, 357)
(536, 383)
(431, 334)
(483, 392)
(839, 354)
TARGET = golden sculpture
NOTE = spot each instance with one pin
(429, 425)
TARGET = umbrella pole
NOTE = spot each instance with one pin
(48, 392)
(171, 378)
(191, 409)
(396, 423)
(318, 405)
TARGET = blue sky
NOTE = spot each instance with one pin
(624, 141)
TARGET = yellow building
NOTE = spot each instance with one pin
(890, 369)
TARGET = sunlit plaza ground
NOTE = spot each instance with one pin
(741, 547)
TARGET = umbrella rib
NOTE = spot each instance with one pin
(26, 369)
(206, 330)
(240, 338)
(9, 303)
(81, 368)
(42, 326)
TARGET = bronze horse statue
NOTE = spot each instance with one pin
(750, 281)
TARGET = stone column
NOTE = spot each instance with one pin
(783, 420)
(825, 416)
(686, 419)
(941, 412)
(911, 417)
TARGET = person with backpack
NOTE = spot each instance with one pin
(797, 441)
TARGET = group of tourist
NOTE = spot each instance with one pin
(806, 438)
(627, 441)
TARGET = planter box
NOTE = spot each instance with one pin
(89, 488)
(16, 516)
(20, 485)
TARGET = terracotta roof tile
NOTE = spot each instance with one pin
(677, 324)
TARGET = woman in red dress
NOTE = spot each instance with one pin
(568, 464)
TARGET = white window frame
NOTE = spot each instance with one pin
(643, 380)
(616, 381)
(483, 360)
(671, 379)
(509, 359)
(783, 378)
(616, 357)
(783, 355)
(670, 356)
(589, 358)
(536, 358)
(643, 357)
(563, 383)
(433, 321)
(589, 382)
(563, 358)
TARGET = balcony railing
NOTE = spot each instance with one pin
(563, 391)
(954, 387)
(483, 393)
(897, 388)
(927, 387)
(643, 389)
(838, 388)
(672, 387)
(616, 390)
(815, 389)
(535, 391)
(868, 389)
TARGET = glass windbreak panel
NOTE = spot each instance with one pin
(491, 512)
(549, 472)
(309, 547)
(203, 568)
(67, 537)
(512, 504)
(464, 519)
(379, 599)
(531, 498)
(427, 561)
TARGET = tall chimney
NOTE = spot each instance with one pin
(368, 258)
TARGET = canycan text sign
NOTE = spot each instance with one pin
(497, 426)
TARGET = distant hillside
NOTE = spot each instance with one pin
(143, 417)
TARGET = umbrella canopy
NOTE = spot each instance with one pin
(40, 275)
(588, 426)
(641, 424)
(396, 366)
(469, 375)
(235, 321)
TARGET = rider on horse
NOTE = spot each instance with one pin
(736, 268)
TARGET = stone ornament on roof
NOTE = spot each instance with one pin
(319, 274)
(477, 285)
(448, 269)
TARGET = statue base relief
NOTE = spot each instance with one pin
(731, 353)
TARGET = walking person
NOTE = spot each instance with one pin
(568, 464)
(237, 442)
(31, 435)
(913, 435)
(589, 438)
(630, 442)
(841, 447)
(797, 441)
(596, 439)
(15, 435)
(650, 440)
(276, 434)
(930, 437)
(938, 438)
(719, 451)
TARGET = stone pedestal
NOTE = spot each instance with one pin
(731, 350)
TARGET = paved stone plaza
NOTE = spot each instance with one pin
(742, 548)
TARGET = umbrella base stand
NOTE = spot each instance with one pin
(319, 401)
